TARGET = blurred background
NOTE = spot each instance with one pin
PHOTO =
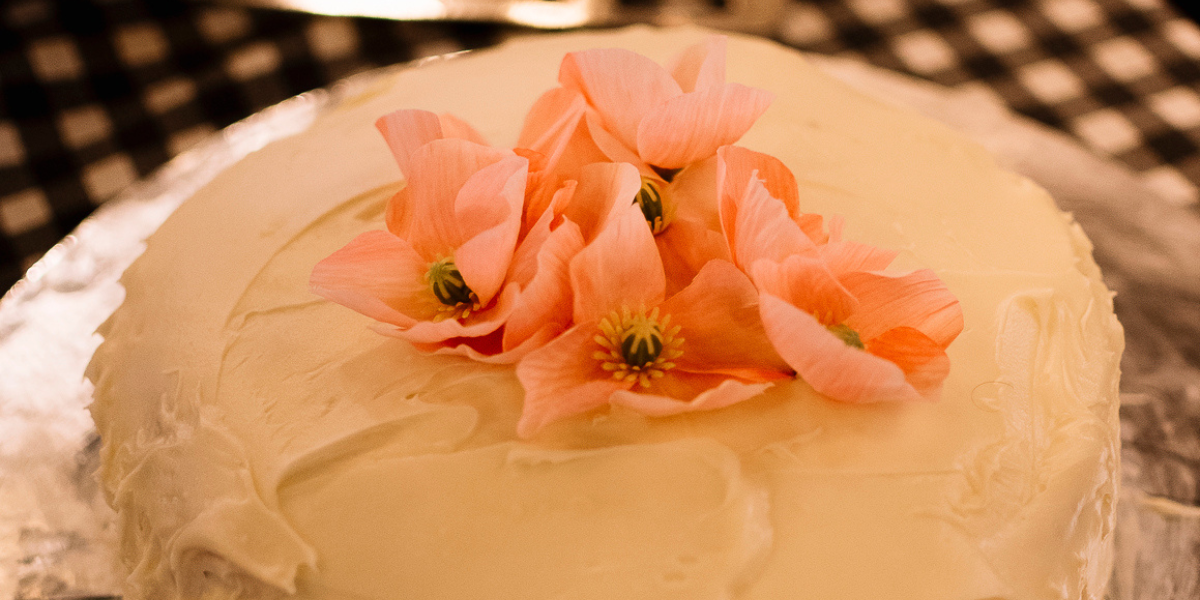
(97, 94)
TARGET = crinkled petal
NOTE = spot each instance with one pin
(604, 190)
(552, 117)
(440, 170)
(719, 322)
(685, 248)
(713, 396)
(398, 215)
(478, 324)
(524, 262)
(547, 297)
(563, 379)
(620, 268)
(544, 200)
(609, 145)
(405, 131)
(756, 225)
(826, 363)
(378, 275)
(488, 210)
(554, 127)
(693, 193)
(923, 360)
(919, 300)
(741, 164)
(691, 127)
(701, 66)
(489, 349)
(804, 282)
(844, 257)
(623, 86)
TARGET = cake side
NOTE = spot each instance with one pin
(259, 438)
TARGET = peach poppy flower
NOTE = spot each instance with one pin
(703, 348)
(851, 330)
(438, 273)
(407, 130)
(617, 105)
(641, 113)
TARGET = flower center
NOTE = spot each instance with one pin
(650, 199)
(448, 286)
(638, 347)
(847, 335)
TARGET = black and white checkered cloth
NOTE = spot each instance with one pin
(95, 94)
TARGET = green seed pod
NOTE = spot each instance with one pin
(447, 283)
(650, 199)
(847, 335)
(642, 343)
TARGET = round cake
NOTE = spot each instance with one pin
(261, 441)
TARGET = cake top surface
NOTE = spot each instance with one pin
(234, 373)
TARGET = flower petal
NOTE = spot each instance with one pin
(554, 127)
(488, 209)
(524, 262)
(922, 359)
(609, 145)
(847, 257)
(826, 363)
(405, 131)
(563, 379)
(552, 117)
(686, 247)
(489, 348)
(439, 171)
(756, 225)
(804, 282)
(713, 396)
(919, 300)
(620, 268)
(604, 190)
(378, 275)
(547, 297)
(719, 322)
(623, 86)
(692, 126)
(741, 164)
(701, 66)
(454, 127)
(478, 324)
(693, 192)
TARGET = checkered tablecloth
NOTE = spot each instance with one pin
(95, 94)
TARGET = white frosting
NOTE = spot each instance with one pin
(261, 442)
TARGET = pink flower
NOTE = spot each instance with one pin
(407, 130)
(438, 272)
(850, 330)
(617, 105)
(643, 114)
(703, 348)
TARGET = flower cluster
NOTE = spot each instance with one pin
(626, 253)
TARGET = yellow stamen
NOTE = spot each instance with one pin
(637, 347)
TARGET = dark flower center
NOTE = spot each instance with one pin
(650, 199)
(847, 335)
(641, 343)
(447, 283)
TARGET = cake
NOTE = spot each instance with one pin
(261, 441)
